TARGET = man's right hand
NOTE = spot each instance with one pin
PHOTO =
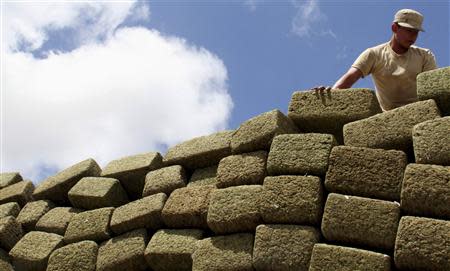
(321, 89)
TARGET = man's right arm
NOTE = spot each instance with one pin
(348, 79)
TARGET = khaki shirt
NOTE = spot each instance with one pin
(395, 75)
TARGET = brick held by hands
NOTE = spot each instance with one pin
(329, 112)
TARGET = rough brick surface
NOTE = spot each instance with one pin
(10, 232)
(164, 180)
(32, 212)
(31, 253)
(372, 173)
(426, 191)
(300, 154)
(89, 225)
(171, 250)
(143, 213)
(329, 112)
(55, 188)
(125, 252)
(258, 132)
(5, 262)
(204, 176)
(56, 220)
(360, 221)
(435, 85)
(231, 252)
(131, 171)
(187, 207)
(200, 152)
(422, 244)
(242, 169)
(21, 192)
(292, 199)
(431, 142)
(9, 209)
(283, 247)
(235, 209)
(97, 192)
(81, 256)
(391, 129)
(9, 178)
(328, 257)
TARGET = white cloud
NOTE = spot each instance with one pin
(127, 92)
(309, 21)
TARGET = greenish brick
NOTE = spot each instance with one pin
(300, 154)
(10, 232)
(21, 192)
(9, 178)
(142, 213)
(31, 253)
(131, 171)
(81, 256)
(204, 176)
(32, 212)
(422, 244)
(292, 200)
(97, 192)
(187, 207)
(230, 252)
(337, 258)
(329, 112)
(365, 172)
(200, 152)
(56, 220)
(242, 169)
(435, 84)
(235, 209)
(171, 250)
(283, 247)
(391, 129)
(89, 225)
(258, 132)
(5, 262)
(124, 252)
(360, 221)
(426, 191)
(431, 142)
(164, 180)
(9, 209)
(56, 188)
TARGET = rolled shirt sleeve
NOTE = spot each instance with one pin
(430, 62)
(365, 62)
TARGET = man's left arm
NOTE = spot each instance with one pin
(429, 62)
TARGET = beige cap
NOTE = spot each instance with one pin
(409, 18)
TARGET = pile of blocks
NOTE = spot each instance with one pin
(334, 185)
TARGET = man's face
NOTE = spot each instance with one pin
(405, 36)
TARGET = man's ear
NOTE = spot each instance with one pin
(394, 27)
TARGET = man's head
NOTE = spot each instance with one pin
(406, 26)
(409, 18)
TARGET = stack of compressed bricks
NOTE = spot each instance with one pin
(330, 186)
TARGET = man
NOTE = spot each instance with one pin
(394, 65)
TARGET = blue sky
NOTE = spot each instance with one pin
(109, 79)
